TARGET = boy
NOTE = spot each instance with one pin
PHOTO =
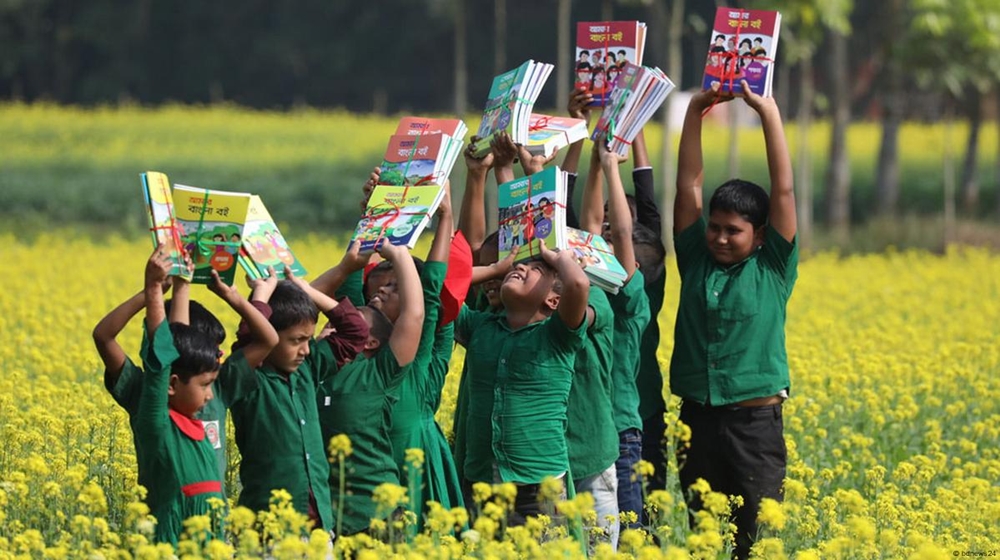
(729, 364)
(273, 401)
(176, 461)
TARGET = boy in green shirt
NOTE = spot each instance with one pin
(729, 364)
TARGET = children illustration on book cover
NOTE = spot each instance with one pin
(742, 48)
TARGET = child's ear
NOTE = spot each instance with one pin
(758, 235)
(174, 380)
(552, 301)
(372, 343)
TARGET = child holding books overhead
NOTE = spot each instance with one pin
(176, 461)
(737, 270)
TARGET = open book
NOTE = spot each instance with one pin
(264, 246)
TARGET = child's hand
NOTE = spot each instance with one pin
(298, 281)
(369, 186)
(158, 267)
(532, 164)
(608, 158)
(392, 252)
(756, 102)
(227, 293)
(353, 260)
(548, 255)
(704, 99)
(444, 207)
(504, 150)
(579, 104)
(482, 164)
(507, 263)
(262, 288)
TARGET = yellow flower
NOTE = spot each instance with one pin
(414, 457)
(771, 514)
(340, 447)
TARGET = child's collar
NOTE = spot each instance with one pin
(190, 427)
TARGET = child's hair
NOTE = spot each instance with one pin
(649, 251)
(385, 267)
(717, 37)
(196, 354)
(586, 52)
(202, 320)
(290, 306)
(380, 326)
(742, 197)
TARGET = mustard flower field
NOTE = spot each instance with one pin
(893, 426)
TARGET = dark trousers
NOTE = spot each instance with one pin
(739, 451)
(654, 449)
(629, 485)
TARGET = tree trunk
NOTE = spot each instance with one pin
(997, 97)
(565, 48)
(970, 179)
(838, 175)
(948, 167)
(499, 36)
(675, 63)
(892, 99)
(461, 72)
(607, 10)
(783, 86)
(804, 171)
(733, 158)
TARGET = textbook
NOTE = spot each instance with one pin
(602, 49)
(638, 93)
(211, 226)
(264, 246)
(163, 221)
(548, 134)
(532, 208)
(597, 259)
(509, 103)
(419, 159)
(397, 214)
(742, 47)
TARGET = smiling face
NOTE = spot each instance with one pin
(529, 284)
(292, 348)
(188, 397)
(731, 237)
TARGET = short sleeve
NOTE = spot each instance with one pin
(604, 318)
(126, 387)
(236, 378)
(157, 354)
(564, 337)
(387, 366)
(631, 301)
(467, 322)
(781, 255)
(690, 244)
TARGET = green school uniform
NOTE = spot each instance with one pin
(591, 437)
(479, 303)
(358, 401)
(127, 388)
(649, 382)
(730, 335)
(519, 382)
(413, 423)
(278, 431)
(174, 456)
(631, 309)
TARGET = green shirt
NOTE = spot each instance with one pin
(631, 309)
(175, 458)
(649, 382)
(518, 386)
(591, 437)
(358, 401)
(729, 342)
(278, 431)
(126, 389)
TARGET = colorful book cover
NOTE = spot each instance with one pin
(602, 49)
(412, 160)
(211, 225)
(619, 100)
(163, 220)
(532, 208)
(398, 214)
(597, 258)
(415, 126)
(501, 102)
(742, 47)
(264, 245)
(547, 134)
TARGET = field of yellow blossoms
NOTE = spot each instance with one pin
(893, 427)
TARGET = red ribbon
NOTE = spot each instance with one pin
(539, 124)
(732, 59)
(529, 224)
(172, 228)
(204, 487)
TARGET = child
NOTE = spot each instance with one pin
(176, 461)
(737, 273)
(273, 403)
(358, 400)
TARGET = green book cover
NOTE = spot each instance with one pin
(211, 224)
(263, 244)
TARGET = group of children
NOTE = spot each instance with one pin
(561, 380)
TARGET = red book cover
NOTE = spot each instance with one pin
(410, 160)
(414, 126)
(602, 49)
(742, 47)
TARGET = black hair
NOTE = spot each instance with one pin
(759, 40)
(586, 52)
(202, 320)
(717, 37)
(649, 252)
(196, 354)
(386, 266)
(290, 306)
(622, 52)
(380, 327)
(747, 41)
(742, 197)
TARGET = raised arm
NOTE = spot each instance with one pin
(619, 215)
(592, 207)
(781, 216)
(106, 335)
(441, 246)
(504, 153)
(330, 281)
(578, 108)
(690, 167)
(495, 270)
(180, 304)
(572, 308)
(472, 217)
(262, 337)
(157, 270)
(405, 338)
(646, 209)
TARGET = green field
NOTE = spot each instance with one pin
(69, 166)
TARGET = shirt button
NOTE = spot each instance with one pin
(307, 456)
(714, 364)
(503, 360)
(716, 294)
(301, 421)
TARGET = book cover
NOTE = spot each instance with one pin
(548, 134)
(501, 102)
(742, 47)
(415, 126)
(397, 214)
(597, 259)
(263, 244)
(163, 220)
(636, 96)
(211, 227)
(602, 49)
(412, 160)
(532, 208)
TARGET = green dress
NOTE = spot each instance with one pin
(175, 457)
(413, 424)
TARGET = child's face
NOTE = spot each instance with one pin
(528, 282)
(292, 348)
(188, 397)
(383, 295)
(731, 238)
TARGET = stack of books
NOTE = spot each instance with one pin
(532, 209)
(163, 220)
(742, 47)
(509, 103)
(422, 151)
(397, 215)
(638, 93)
(602, 49)
(548, 134)
(597, 259)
